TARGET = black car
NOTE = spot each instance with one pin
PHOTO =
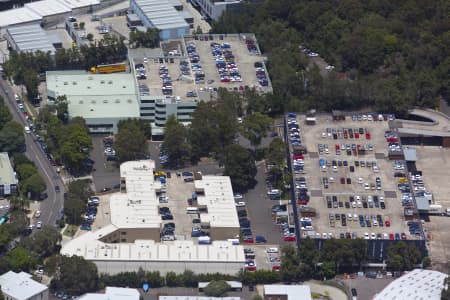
(57, 189)
(189, 179)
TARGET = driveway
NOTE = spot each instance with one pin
(366, 287)
(105, 173)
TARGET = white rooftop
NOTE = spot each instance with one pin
(20, 285)
(35, 11)
(96, 95)
(197, 298)
(161, 14)
(219, 199)
(293, 292)
(7, 174)
(138, 207)
(416, 285)
(113, 293)
(148, 250)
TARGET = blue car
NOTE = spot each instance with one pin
(85, 227)
(187, 174)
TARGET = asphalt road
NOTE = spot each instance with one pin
(51, 206)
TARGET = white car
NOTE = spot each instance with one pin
(39, 225)
(366, 186)
(373, 236)
(272, 250)
(329, 67)
(27, 129)
(360, 180)
(313, 54)
(37, 214)
(366, 236)
(335, 169)
(240, 204)
(238, 196)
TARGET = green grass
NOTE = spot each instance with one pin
(70, 230)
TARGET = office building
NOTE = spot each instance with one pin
(213, 9)
(8, 178)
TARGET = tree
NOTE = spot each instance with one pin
(76, 144)
(31, 82)
(4, 237)
(44, 242)
(18, 222)
(276, 153)
(5, 115)
(25, 170)
(175, 143)
(90, 37)
(240, 166)
(255, 127)
(328, 270)
(130, 130)
(34, 185)
(148, 39)
(19, 259)
(12, 138)
(403, 257)
(75, 204)
(217, 288)
(76, 276)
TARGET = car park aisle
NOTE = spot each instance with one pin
(259, 210)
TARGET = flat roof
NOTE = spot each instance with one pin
(49, 7)
(232, 284)
(410, 153)
(415, 285)
(18, 16)
(30, 37)
(138, 207)
(197, 298)
(7, 174)
(161, 14)
(219, 199)
(292, 291)
(113, 293)
(96, 95)
(149, 250)
(20, 285)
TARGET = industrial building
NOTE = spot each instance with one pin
(29, 38)
(101, 99)
(417, 284)
(20, 286)
(113, 293)
(8, 179)
(105, 99)
(131, 241)
(161, 14)
(287, 292)
(213, 9)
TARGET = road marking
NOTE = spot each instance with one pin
(43, 169)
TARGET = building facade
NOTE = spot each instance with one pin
(213, 9)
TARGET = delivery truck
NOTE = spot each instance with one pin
(108, 69)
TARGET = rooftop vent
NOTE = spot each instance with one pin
(90, 78)
(74, 82)
(110, 82)
(80, 102)
(117, 101)
(102, 82)
(66, 83)
(105, 101)
(93, 101)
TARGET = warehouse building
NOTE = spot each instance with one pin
(417, 284)
(113, 293)
(101, 99)
(287, 292)
(215, 201)
(49, 12)
(213, 9)
(21, 286)
(161, 14)
(8, 179)
(29, 38)
(131, 241)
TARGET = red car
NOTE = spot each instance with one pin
(225, 79)
(275, 268)
(250, 268)
(387, 223)
(368, 136)
(302, 202)
(391, 236)
(248, 240)
(290, 238)
(356, 135)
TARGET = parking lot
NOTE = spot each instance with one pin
(434, 162)
(243, 59)
(349, 180)
(105, 173)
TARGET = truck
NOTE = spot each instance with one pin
(437, 209)
(107, 69)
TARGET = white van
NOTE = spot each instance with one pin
(192, 210)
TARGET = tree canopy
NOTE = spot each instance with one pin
(131, 139)
(176, 144)
(240, 166)
(388, 56)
